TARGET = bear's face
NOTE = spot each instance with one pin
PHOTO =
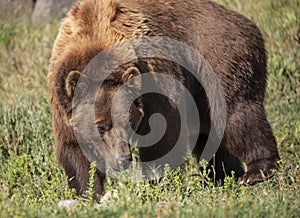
(114, 132)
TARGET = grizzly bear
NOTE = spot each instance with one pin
(228, 41)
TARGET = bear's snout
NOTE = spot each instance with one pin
(124, 161)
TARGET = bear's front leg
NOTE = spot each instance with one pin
(77, 168)
(249, 137)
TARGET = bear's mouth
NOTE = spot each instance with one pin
(120, 162)
(118, 165)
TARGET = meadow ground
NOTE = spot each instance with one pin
(32, 182)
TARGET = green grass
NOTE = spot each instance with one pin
(32, 182)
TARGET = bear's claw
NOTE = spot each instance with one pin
(251, 178)
(258, 173)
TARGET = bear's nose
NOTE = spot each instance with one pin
(125, 161)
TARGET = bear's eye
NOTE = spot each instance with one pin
(101, 128)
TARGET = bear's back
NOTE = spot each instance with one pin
(230, 42)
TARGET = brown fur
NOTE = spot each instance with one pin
(232, 45)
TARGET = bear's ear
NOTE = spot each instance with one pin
(71, 82)
(130, 73)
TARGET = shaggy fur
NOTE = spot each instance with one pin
(231, 43)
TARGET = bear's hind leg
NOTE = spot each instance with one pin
(249, 137)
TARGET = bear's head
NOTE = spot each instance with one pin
(112, 128)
